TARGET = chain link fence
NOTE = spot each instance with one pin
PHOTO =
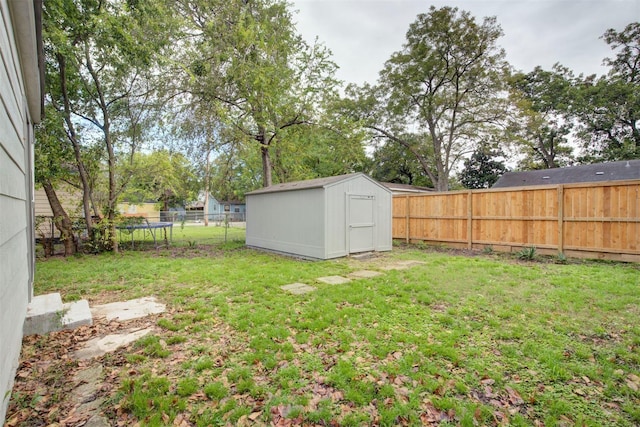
(140, 232)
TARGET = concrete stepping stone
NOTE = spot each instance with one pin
(99, 346)
(127, 310)
(402, 265)
(87, 385)
(334, 280)
(298, 288)
(46, 313)
(364, 274)
(76, 314)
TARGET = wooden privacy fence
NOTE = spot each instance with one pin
(594, 220)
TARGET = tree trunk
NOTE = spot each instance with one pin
(61, 219)
(442, 179)
(266, 166)
(441, 184)
(111, 157)
(72, 136)
(207, 179)
(261, 137)
(111, 204)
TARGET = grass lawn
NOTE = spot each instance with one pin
(458, 340)
(185, 235)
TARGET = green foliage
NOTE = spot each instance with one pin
(101, 60)
(445, 82)
(149, 398)
(160, 176)
(561, 258)
(395, 163)
(609, 107)
(482, 170)
(543, 122)
(215, 390)
(260, 77)
(528, 253)
(487, 250)
(187, 386)
(53, 156)
(153, 346)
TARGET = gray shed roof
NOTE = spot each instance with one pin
(406, 188)
(311, 183)
(597, 172)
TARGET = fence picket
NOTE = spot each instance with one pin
(595, 220)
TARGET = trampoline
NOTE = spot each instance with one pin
(152, 227)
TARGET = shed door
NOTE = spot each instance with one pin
(361, 223)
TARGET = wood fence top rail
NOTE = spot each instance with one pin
(523, 188)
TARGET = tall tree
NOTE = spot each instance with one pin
(101, 65)
(261, 76)
(542, 120)
(609, 107)
(443, 90)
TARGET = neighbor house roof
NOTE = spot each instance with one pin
(310, 183)
(597, 172)
(405, 188)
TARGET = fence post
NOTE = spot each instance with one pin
(470, 219)
(407, 229)
(560, 219)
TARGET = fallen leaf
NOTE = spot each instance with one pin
(514, 396)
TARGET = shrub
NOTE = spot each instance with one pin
(528, 253)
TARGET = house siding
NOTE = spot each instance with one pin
(216, 208)
(16, 188)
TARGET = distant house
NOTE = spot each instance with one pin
(597, 172)
(71, 200)
(406, 188)
(235, 209)
(149, 210)
(22, 80)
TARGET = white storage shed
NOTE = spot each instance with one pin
(321, 218)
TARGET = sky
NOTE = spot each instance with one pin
(362, 34)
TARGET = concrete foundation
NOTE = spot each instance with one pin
(47, 313)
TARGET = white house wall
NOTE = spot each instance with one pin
(289, 221)
(16, 193)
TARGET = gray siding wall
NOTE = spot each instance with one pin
(312, 222)
(384, 210)
(289, 221)
(336, 213)
(16, 232)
